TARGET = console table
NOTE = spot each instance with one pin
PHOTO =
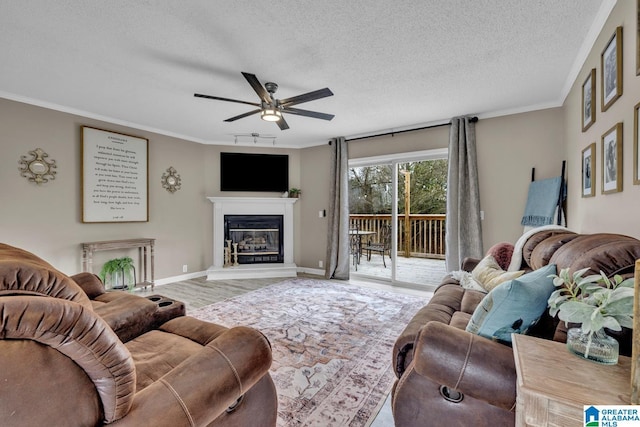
(554, 384)
(145, 251)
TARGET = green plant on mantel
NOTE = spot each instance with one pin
(113, 267)
(295, 192)
(595, 301)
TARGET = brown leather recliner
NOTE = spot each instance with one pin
(449, 376)
(63, 365)
(127, 314)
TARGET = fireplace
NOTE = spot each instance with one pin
(258, 237)
(257, 261)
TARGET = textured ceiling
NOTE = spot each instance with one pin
(391, 64)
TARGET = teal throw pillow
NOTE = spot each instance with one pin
(513, 306)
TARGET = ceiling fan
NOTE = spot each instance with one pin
(270, 108)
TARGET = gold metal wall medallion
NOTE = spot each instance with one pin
(171, 180)
(37, 168)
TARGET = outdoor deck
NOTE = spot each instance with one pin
(422, 271)
(421, 246)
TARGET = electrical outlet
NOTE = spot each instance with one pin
(184, 268)
(321, 264)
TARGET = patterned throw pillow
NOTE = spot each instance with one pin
(489, 274)
(513, 306)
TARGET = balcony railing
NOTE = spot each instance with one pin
(418, 235)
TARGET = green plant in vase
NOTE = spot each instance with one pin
(118, 267)
(295, 192)
(595, 302)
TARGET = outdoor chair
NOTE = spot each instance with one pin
(382, 246)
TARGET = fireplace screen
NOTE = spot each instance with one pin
(259, 237)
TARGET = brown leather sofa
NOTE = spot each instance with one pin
(447, 376)
(63, 365)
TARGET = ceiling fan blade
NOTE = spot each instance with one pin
(257, 86)
(199, 95)
(241, 116)
(307, 113)
(282, 124)
(306, 97)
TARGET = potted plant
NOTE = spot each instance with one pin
(116, 270)
(295, 192)
(595, 302)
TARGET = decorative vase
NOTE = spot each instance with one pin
(597, 347)
(118, 279)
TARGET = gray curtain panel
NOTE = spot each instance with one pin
(463, 229)
(338, 233)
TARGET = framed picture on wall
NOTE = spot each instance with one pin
(115, 177)
(589, 171)
(588, 100)
(611, 66)
(636, 145)
(612, 160)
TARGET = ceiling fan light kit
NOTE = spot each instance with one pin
(271, 114)
(270, 108)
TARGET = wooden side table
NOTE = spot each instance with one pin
(145, 250)
(554, 384)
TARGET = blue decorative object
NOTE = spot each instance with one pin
(513, 306)
(542, 202)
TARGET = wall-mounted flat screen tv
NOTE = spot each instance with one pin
(254, 172)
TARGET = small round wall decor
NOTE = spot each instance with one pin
(37, 168)
(171, 180)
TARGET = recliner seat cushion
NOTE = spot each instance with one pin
(156, 353)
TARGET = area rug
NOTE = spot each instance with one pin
(332, 346)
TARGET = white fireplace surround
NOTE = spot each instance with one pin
(251, 206)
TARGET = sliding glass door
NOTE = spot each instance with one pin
(397, 218)
(371, 196)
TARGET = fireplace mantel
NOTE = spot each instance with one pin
(251, 206)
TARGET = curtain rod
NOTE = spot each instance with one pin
(472, 120)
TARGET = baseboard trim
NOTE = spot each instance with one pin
(313, 271)
(180, 278)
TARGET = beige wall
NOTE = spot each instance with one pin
(605, 212)
(428, 139)
(508, 148)
(46, 219)
(314, 164)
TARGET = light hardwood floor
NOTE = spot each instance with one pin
(196, 293)
(199, 292)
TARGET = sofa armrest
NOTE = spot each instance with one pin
(90, 284)
(201, 388)
(468, 363)
(194, 329)
(468, 264)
